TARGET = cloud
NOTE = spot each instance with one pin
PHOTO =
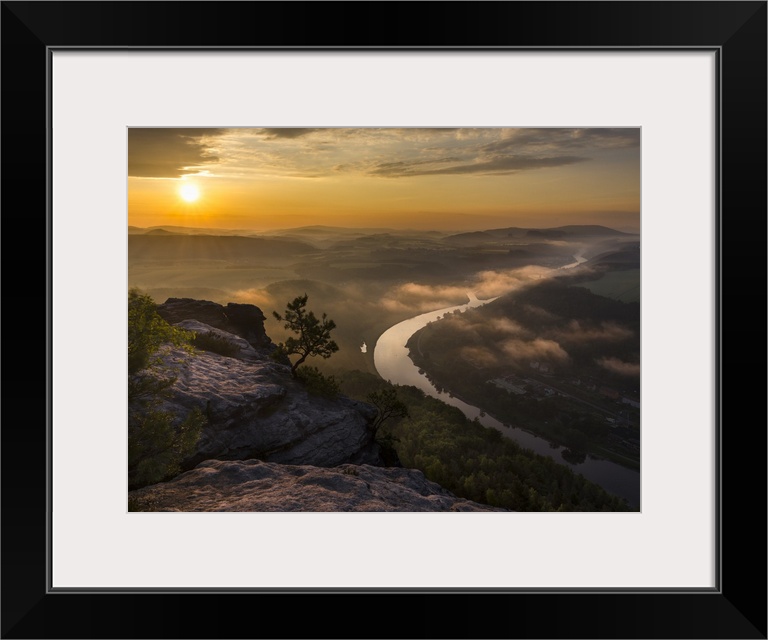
(413, 296)
(505, 326)
(384, 168)
(619, 366)
(541, 314)
(538, 349)
(477, 329)
(511, 151)
(286, 132)
(428, 131)
(393, 152)
(496, 166)
(491, 284)
(479, 356)
(169, 152)
(591, 139)
(576, 331)
(607, 138)
(414, 133)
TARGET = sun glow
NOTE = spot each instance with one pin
(189, 192)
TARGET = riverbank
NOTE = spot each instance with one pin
(505, 408)
(392, 362)
(594, 452)
(476, 462)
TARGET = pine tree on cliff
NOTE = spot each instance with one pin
(314, 334)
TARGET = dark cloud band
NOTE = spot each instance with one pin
(286, 132)
(169, 153)
(494, 166)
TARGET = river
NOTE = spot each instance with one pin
(390, 357)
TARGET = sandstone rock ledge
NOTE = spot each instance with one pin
(253, 485)
(243, 320)
(256, 410)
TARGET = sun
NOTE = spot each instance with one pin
(189, 192)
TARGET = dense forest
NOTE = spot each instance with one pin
(473, 461)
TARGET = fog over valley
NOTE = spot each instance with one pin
(365, 281)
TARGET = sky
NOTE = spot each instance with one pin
(414, 178)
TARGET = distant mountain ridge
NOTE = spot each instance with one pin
(189, 231)
(551, 233)
(169, 246)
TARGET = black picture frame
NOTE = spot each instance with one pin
(736, 608)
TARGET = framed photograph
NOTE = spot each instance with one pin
(206, 154)
(530, 329)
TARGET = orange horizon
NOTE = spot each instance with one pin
(435, 179)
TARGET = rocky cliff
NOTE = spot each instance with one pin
(253, 485)
(254, 407)
(268, 444)
(243, 320)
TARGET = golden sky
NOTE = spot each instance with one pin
(418, 178)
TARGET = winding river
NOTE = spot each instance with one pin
(391, 360)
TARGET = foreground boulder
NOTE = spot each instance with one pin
(253, 485)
